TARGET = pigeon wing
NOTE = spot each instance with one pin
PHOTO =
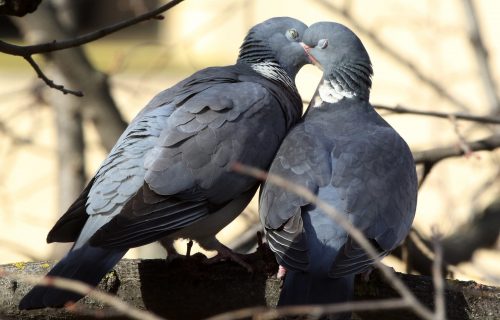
(188, 170)
(301, 161)
(379, 191)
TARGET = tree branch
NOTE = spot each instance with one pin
(432, 156)
(480, 232)
(190, 289)
(445, 115)
(49, 82)
(86, 38)
(77, 70)
(27, 51)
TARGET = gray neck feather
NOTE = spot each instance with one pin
(257, 54)
(349, 80)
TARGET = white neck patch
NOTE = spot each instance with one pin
(331, 92)
(273, 71)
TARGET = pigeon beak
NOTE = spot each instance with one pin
(307, 49)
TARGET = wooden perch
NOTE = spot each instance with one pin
(191, 289)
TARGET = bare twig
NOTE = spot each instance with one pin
(437, 277)
(263, 313)
(481, 55)
(85, 289)
(354, 232)
(49, 82)
(462, 143)
(445, 115)
(434, 85)
(28, 51)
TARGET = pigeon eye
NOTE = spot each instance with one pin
(292, 34)
(323, 43)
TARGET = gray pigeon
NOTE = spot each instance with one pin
(169, 176)
(347, 155)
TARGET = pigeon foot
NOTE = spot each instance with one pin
(224, 254)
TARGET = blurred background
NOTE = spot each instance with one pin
(427, 55)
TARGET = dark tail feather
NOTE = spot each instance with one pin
(301, 288)
(87, 264)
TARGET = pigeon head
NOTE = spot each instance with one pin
(272, 44)
(336, 50)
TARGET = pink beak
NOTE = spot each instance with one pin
(307, 49)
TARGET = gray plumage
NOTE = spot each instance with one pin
(346, 154)
(169, 176)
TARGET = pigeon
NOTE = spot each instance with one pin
(169, 175)
(351, 158)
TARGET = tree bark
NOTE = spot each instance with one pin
(191, 289)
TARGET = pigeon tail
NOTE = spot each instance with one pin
(300, 288)
(87, 264)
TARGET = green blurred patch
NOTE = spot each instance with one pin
(110, 56)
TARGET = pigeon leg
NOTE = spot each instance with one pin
(281, 272)
(172, 254)
(365, 275)
(224, 253)
(189, 245)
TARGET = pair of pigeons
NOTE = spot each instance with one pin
(169, 175)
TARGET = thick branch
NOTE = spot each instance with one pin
(190, 289)
(460, 116)
(434, 155)
(481, 232)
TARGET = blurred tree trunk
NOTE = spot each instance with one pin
(482, 231)
(70, 151)
(54, 20)
(51, 22)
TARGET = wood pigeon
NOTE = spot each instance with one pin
(169, 176)
(347, 155)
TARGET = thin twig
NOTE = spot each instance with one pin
(444, 115)
(85, 289)
(49, 82)
(462, 143)
(83, 39)
(354, 232)
(434, 85)
(263, 313)
(481, 54)
(28, 51)
(437, 277)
